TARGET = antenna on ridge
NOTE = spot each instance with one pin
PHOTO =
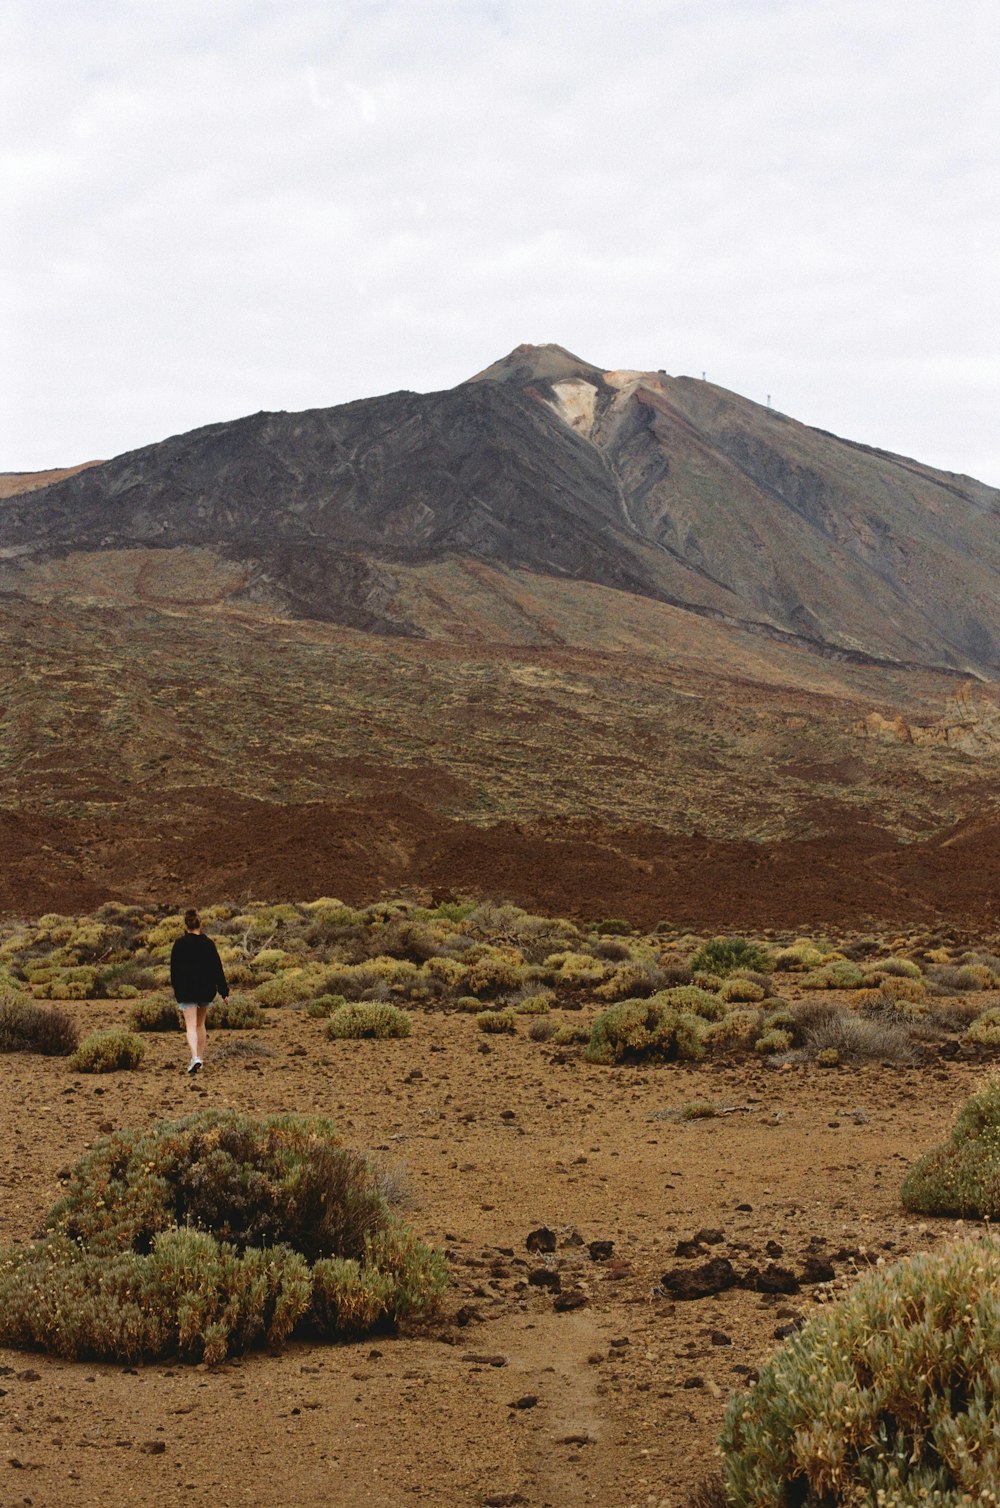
(703, 376)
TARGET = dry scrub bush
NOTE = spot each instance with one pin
(852, 1036)
(27, 1027)
(738, 990)
(639, 1029)
(798, 958)
(499, 1021)
(985, 1030)
(324, 1006)
(726, 955)
(738, 1028)
(209, 1235)
(289, 988)
(962, 1177)
(231, 1014)
(774, 1039)
(368, 1018)
(534, 1005)
(890, 1396)
(900, 968)
(838, 974)
(158, 1013)
(542, 1030)
(107, 1052)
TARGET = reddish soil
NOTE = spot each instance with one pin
(209, 843)
(497, 1137)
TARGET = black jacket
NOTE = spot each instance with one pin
(196, 972)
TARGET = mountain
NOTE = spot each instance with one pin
(543, 465)
(601, 643)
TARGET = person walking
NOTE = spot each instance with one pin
(196, 977)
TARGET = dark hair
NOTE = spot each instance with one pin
(192, 920)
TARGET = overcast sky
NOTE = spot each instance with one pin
(210, 207)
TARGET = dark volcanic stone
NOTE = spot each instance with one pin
(699, 1282)
(542, 1239)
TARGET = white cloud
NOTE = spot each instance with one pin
(208, 210)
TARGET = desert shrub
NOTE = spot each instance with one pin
(324, 1006)
(611, 949)
(630, 980)
(471, 1005)
(880, 1005)
(738, 990)
(572, 968)
(158, 1013)
(853, 1036)
(285, 989)
(839, 974)
(106, 1052)
(359, 981)
(985, 1030)
(368, 1018)
(490, 969)
(674, 974)
(27, 1027)
(208, 1235)
(737, 1028)
(541, 1030)
(775, 1039)
(698, 1110)
(798, 958)
(902, 987)
(901, 968)
(691, 997)
(962, 1177)
(534, 1005)
(948, 979)
(888, 1396)
(724, 955)
(703, 980)
(570, 1036)
(497, 1021)
(230, 1014)
(615, 927)
(637, 1029)
(977, 976)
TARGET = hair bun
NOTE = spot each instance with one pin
(192, 920)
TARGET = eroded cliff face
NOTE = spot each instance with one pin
(970, 723)
(660, 487)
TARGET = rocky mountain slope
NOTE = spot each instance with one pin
(668, 489)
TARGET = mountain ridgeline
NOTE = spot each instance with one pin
(666, 488)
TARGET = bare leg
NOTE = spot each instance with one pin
(191, 1025)
(202, 1034)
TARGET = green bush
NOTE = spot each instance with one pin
(158, 1013)
(737, 990)
(27, 1027)
(497, 1021)
(368, 1018)
(324, 1006)
(239, 1015)
(985, 1030)
(962, 1177)
(724, 955)
(637, 1029)
(106, 1052)
(535, 1005)
(775, 1039)
(615, 927)
(840, 974)
(888, 1397)
(211, 1234)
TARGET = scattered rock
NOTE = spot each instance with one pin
(699, 1282)
(526, 1401)
(573, 1298)
(709, 1236)
(782, 1332)
(153, 1447)
(541, 1239)
(720, 1338)
(600, 1251)
(578, 1439)
(816, 1269)
(28, 1375)
(468, 1315)
(774, 1249)
(773, 1279)
(545, 1277)
(485, 1361)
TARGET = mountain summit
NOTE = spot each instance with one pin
(664, 487)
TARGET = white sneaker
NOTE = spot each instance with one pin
(195, 1065)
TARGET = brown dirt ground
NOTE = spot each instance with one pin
(630, 1387)
(852, 876)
